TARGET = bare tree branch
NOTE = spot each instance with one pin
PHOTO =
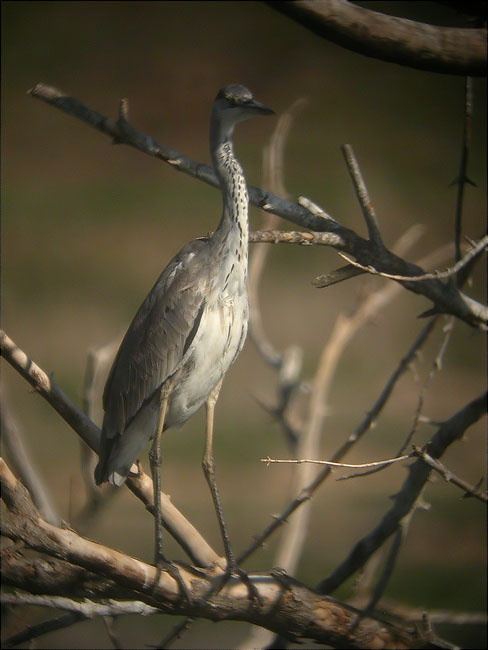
(446, 298)
(141, 485)
(450, 477)
(397, 40)
(329, 463)
(34, 631)
(86, 607)
(471, 255)
(363, 196)
(344, 329)
(311, 616)
(97, 498)
(15, 448)
(462, 177)
(449, 431)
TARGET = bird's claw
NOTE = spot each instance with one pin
(253, 594)
(164, 565)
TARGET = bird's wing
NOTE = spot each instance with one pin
(158, 337)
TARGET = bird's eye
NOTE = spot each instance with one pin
(237, 101)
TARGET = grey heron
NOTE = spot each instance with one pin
(189, 329)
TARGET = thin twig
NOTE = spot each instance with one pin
(363, 196)
(384, 577)
(343, 330)
(450, 477)
(314, 209)
(109, 622)
(462, 177)
(85, 607)
(96, 362)
(450, 431)
(32, 632)
(388, 568)
(436, 366)
(17, 452)
(176, 633)
(440, 275)
(329, 463)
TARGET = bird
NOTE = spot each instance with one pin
(189, 330)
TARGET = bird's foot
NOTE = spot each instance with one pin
(234, 571)
(162, 564)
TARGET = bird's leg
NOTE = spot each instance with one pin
(155, 462)
(209, 471)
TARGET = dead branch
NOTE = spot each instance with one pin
(450, 477)
(34, 631)
(86, 607)
(388, 38)
(329, 463)
(141, 485)
(287, 608)
(446, 298)
(449, 431)
(17, 452)
(344, 329)
(96, 499)
(462, 177)
(471, 255)
(363, 196)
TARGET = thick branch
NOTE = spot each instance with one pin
(287, 607)
(396, 40)
(446, 298)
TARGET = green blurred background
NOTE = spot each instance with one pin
(87, 227)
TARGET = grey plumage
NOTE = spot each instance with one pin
(194, 320)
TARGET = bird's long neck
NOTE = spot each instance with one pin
(233, 229)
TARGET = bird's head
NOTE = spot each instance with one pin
(233, 104)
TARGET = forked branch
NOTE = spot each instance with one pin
(445, 297)
(311, 616)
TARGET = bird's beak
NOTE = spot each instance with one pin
(259, 108)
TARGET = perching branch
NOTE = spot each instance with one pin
(388, 38)
(141, 485)
(445, 297)
(287, 608)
